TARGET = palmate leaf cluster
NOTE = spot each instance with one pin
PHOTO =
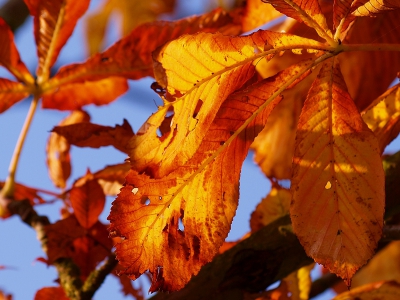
(310, 96)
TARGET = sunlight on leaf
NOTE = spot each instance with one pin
(383, 290)
(338, 180)
(257, 14)
(373, 7)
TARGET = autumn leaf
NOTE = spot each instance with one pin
(373, 7)
(50, 293)
(54, 22)
(75, 95)
(131, 12)
(147, 212)
(9, 56)
(383, 290)
(11, 92)
(131, 57)
(58, 157)
(87, 200)
(92, 135)
(383, 116)
(4, 296)
(272, 207)
(308, 12)
(257, 14)
(338, 180)
(111, 178)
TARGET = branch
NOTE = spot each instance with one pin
(265, 257)
(14, 12)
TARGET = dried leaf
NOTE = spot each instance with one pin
(131, 12)
(58, 157)
(9, 56)
(338, 180)
(147, 212)
(54, 21)
(383, 290)
(51, 293)
(88, 201)
(383, 116)
(11, 92)
(95, 136)
(272, 207)
(75, 95)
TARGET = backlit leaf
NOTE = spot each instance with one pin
(9, 56)
(131, 57)
(299, 283)
(383, 290)
(92, 135)
(11, 92)
(147, 212)
(131, 12)
(112, 177)
(257, 13)
(54, 21)
(75, 95)
(341, 9)
(88, 201)
(200, 88)
(373, 7)
(51, 293)
(383, 116)
(308, 12)
(338, 180)
(272, 207)
(58, 157)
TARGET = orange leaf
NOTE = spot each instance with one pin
(341, 10)
(11, 92)
(308, 12)
(9, 56)
(58, 158)
(199, 194)
(383, 290)
(92, 135)
(372, 7)
(87, 200)
(131, 12)
(256, 14)
(383, 116)
(202, 85)
(51, 293)
(338, 179)
(75, 95)
(4, 296)
(131, 57)
(272, 207)
(112, 177)
(54, 21)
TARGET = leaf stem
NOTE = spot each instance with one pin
(9, 185)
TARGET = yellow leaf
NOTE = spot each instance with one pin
(11, 92)
(54, 22)
(131, 12)
(147, 212)
(383, 290)
(275, 205)
(338, 179)
(383, 116)
(299, 283)
(256, 14)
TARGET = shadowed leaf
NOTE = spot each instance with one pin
(338, 180)
(10, 93)
(383, 290)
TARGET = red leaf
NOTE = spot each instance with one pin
(11, 92)
(51, 293)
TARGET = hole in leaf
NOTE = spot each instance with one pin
(328, 185)
(135, 190)
(145, 200)
(181, 227)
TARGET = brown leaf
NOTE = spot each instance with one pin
(58, 157)
(9, 56)
(11, 92)
(112, 177)
(87, 200)
(54, 21)
(51, 293)
(75, 95)
(382, 290)
(95, 136)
